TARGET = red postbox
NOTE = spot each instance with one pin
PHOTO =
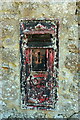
(39, 48)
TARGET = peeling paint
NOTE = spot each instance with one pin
(10, 14)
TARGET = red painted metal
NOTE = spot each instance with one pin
(38, 84)
(40, 32)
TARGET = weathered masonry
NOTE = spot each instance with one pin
(39, 48)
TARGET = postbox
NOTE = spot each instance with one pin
(39, 58)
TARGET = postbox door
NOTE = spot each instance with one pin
(39, 85)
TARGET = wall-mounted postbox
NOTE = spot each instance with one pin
(39, 63)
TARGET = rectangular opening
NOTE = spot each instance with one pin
(39, 40)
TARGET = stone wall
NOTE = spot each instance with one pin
(10, 14)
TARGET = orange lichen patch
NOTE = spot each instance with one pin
(71, 68)
(12, 64)
(6, 68)
(78, 66)
(73, 48)
(61, 78)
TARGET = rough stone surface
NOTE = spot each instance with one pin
(10, 14)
